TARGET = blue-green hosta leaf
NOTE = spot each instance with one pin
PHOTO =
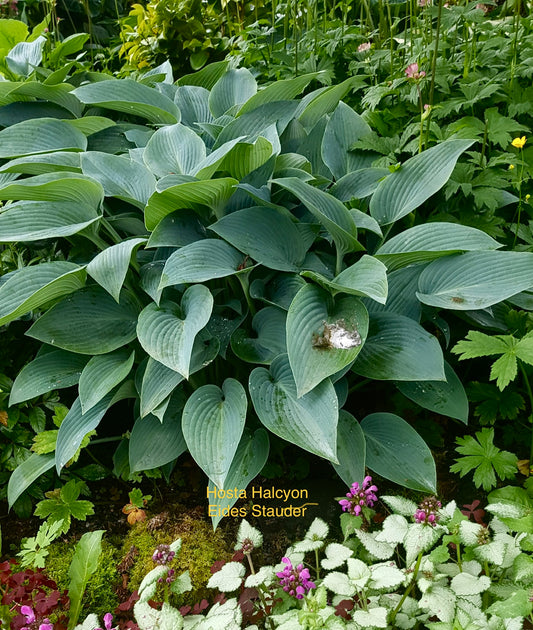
(397, 348)
(475, 280)
(212, 194)
(358, 184)
(401, 298)
(37, 220)
(52, 370)
(367, 277)
(212, 422)
(351, 449)
(130, 97)
(206, 77)
(247, 156)
(40, 135)
(26, 473)
(267, 235)
(284, 90)
(310, 421)
(65, 186)
(23, 58)
(167, 331)
(30, 287)
(200, 261)
(44, 163)
(255, 122)
(174, 149)
(270, 340)
(153, 443)
(75, 427)
(213, 162)
(447, 398)
(177, 229)
(418, 178)
(324, 101)
(58, 94)
(109, 267)
(277, 291)
(101, 374)
(428, 241)
(193, 103)
(159, 381)
(234, 87)
(88, 322)
(121, 177)
(395, 451)
(249, 459)
(324, 335)
(344, 129)
(332, 213)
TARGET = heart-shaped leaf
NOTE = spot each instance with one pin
(200, 261)
(101, 374)
(395, 451)
(447, 398)
(367, 277)
(153, 443)
(109, 267)
(40, 135)
(30, 287)
(269, 326)
(351, 449)
(167, 332)
(248, 462)
(212, 423)
(397, 348)
(420, 177)
(174, 149)
(324, 335)
(89, 322)
(309, 421)
(267, 235)
(475, 280)
(331, 212)
(48, 371)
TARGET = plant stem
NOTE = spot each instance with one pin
(434, 69)
(407, 590)
(530, 394)
(317, 565)
(259, 592)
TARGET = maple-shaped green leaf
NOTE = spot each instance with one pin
(503, 370)
(45, 442)
(486, 459)
(493, 404)
(63, 504)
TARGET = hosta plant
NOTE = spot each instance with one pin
(228, 262)
(425, 566)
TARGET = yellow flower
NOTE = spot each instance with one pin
(528, 197)
(519, 142)
(511, 166)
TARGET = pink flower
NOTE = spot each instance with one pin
(108, 619)
(427, 512)
(295, 580)
(424, 3)
(28, 613)
(359, 497)
(412, 72)
(364, 47)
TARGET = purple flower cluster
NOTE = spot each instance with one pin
(170, 577)
(295, 581)
(426, 513)
(27, 611)
(163, 555)
(360, 497)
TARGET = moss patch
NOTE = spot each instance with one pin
(201, 547)
(100, 596)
